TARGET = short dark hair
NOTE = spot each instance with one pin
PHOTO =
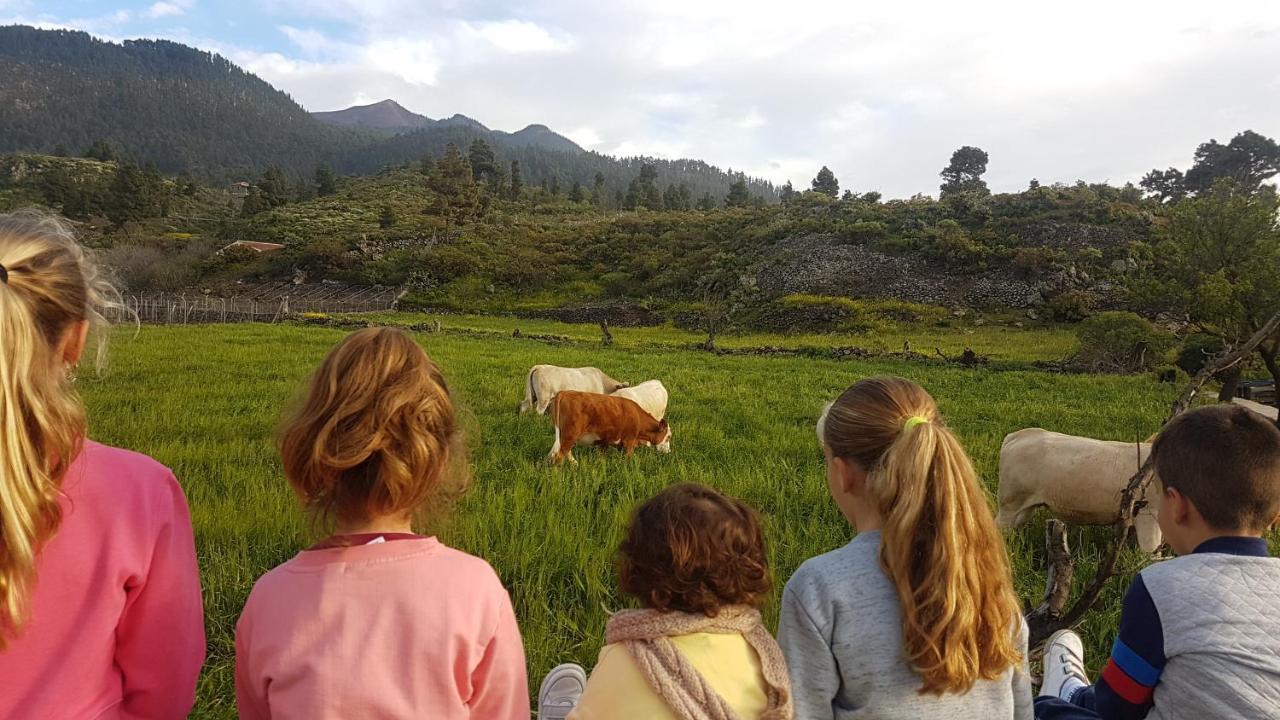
(1226, 460)
(693, 549)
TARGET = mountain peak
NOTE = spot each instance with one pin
(384, 115)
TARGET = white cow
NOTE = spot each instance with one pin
(544, 381)
(1078, 479)
(650, 395)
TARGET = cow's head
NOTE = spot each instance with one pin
(615, 386)
(664, 437)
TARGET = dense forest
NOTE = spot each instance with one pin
(189, 112)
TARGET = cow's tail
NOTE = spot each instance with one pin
(555, 414)
(529, 399)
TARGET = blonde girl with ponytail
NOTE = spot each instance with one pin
(100, 607)
(916, 617)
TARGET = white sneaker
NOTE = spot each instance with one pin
(1063, 665)
(560, 691)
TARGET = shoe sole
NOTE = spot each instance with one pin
(558, 672)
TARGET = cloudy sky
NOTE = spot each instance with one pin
(882, 92)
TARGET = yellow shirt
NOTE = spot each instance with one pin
(618, 691)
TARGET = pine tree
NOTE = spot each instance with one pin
(964, 173)
(326, 181)
(427, 164)
(554, 185)
(254, 203)
(738, 195)
(128, 196)
(387, 217)
(457, 198)
(649, 195)
(274, 187)
(102, 150)
(787, 194)
(597, 190)
(484, 166)
(826, 182)
(517, 182)
(706, 202)
(575, 192)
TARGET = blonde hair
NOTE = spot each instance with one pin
(939, 543)
(47, 286)
(376, 433)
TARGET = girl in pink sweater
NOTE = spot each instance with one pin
(375, 621)
(100, 609)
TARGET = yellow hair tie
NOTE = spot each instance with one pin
(913, 421)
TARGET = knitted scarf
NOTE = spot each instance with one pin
(645, 635)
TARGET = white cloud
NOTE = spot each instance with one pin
(752, 120)
(414, 62)
(585, 136)
(169, 8)
(515, 36)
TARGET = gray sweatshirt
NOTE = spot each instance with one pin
(841, 633)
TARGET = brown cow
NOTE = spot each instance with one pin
(604, 421)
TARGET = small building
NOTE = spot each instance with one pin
(252, 245)
(239, 189)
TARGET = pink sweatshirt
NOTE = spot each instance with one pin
(407, 628)
(116, 628)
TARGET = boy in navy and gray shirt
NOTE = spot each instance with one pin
(1200, 634)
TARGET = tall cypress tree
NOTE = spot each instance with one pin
(517, 181)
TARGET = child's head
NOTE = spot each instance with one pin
(893, 464)
(694, 550)
(50, 293)
(1219, 467)
(375, 434)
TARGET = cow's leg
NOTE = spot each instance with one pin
(628, 447)
(544, 403)
(1147, 531)
(558, 453)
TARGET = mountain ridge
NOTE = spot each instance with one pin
(392, 117)
(193, 112)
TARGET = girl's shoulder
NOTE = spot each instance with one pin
(839, 568)
(126, 478)
(101, 457)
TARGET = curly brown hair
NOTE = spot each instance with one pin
(375, 434)
(693, 549)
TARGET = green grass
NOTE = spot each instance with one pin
(204, 400)
(1004, 344)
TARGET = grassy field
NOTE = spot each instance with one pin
(1004, 344)
(204, 400)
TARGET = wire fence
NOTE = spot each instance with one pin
(182, 309)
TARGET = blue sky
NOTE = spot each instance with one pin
(880, 92)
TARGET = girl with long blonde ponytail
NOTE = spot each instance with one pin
(916, 617)
(100, 610)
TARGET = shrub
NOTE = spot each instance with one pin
(1030, 263)
(1120, 342)
(1196, 351)
(1070, 306)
